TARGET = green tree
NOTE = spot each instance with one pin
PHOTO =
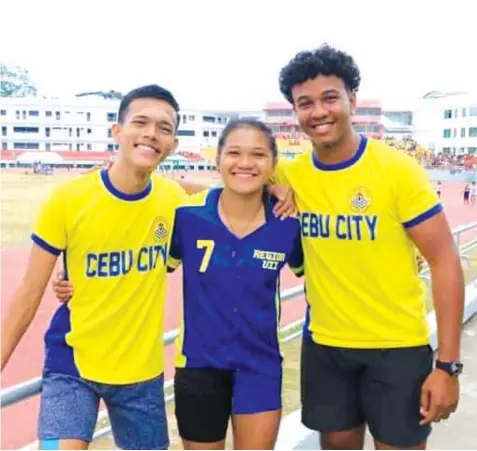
(15, 81)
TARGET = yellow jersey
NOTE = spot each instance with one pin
(361, 276)
(115, 248)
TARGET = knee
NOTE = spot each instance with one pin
(350, 439)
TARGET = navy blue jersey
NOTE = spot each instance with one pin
(231, 289)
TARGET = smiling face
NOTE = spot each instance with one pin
(246, 161)
(324, 108)
(147, 134)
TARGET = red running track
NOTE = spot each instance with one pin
(18, 422)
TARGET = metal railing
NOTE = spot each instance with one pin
(25, 390)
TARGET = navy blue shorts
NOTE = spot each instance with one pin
(69, 410)
(343, 388)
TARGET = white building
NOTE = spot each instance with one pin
(447, 122)
(84, 124)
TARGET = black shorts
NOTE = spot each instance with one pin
(344, 388)
(205, 398)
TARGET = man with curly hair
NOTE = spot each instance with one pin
(364, 208)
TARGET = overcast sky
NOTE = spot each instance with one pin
(227, 53)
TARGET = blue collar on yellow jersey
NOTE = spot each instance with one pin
(342, 164)
(119, 194)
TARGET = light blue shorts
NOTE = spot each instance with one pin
(69, 410)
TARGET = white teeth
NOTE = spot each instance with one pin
(322, 127)
(244, 175)
(144, 147)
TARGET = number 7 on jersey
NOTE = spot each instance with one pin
(208, 245)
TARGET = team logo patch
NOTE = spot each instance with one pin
(360, 199)
(160, 230)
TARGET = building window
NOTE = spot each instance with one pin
(446, 150)
(185, 132)
(210, 119)
(206, 133)
(47, 132)
(111, 117)
(464, 112)
(26, 129)
(472, 150)
(110, 133)
(4, 146)
(447, 133)
(447, 114)
(110, 147)
(473, 132)
(33, 113)
(4, 131)
(3, 112)
(473, 111)
(214, 134)
(88, 146)
(462, 132)
(48, 113)
(191, 117)
(58, 115)
(78, 130)
(24, 115)
(89, 131)
(88, 116)
(17, 115)
(362, 112)
(26, 146)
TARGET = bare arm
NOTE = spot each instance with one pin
(434, 240)
(191, 187)
(26, 300)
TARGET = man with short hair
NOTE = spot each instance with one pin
(113, 228)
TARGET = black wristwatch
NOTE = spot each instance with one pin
(454, 368)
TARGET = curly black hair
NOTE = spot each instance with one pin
(325, 60)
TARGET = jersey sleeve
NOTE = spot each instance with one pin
(175, 254)
(49, 230)
(296, 259)
(180, 195)
(417, 200)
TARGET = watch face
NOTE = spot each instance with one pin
(456, 367)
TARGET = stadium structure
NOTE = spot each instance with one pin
(77, 131)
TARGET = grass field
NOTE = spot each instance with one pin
(22, 197)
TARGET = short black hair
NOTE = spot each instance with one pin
(326, 61)
(246, 122)
(147, 92)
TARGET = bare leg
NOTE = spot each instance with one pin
(256, 430)
(63, 444)
(203, 445)
(380, 445)
(349, 439)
